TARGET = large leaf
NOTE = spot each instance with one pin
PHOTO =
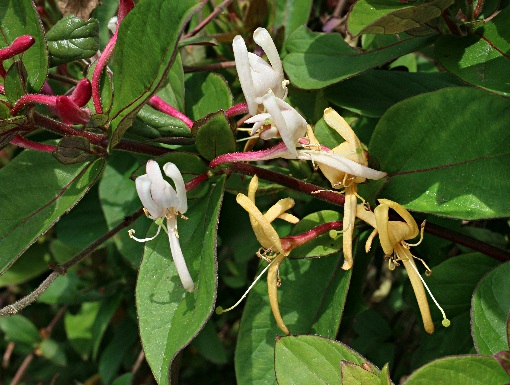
(36, 191)
(214, 135)
(71, 39)
(481, 59)
(490, 309)
(311, 298)
(141, 64)
(384, 17)
(465, 370)
(446, 163)
(19, 17)
(373, 92)
(292, 14)
(313, 360)
(169, 317)
(317, 60)
(206, 93)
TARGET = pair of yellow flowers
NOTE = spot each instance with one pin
(392, 234)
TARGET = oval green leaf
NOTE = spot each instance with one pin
(206, 93)
(313, 360)
(465, 370)
(490, 307)
(169, 317)
(444, 163)
(214, 135)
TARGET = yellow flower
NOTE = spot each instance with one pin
(352, 150)
(272, 249)
(393, 236)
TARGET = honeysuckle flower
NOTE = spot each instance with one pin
(340, 178)
(257, 77)
(272, 249)
(281, 120)
(161, 201)
(393, 236)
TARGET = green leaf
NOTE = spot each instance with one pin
(323, 245)
(373, 92)
(465, 370)
(151, 123)
(490, 311)
(440, 163)
(214, 135)
(79, 328)
(36, 191)
(209, 345)
(311, 297)
(140, 65)
(383, 17)
(313, 360)
(20, 330)
(353, 374)
(32, 263)
(72, 38)
(481, 59)
(291, 14)
(53, 352)
(17, 18)
(206, 93)
(173, 92)
(118, 198)
(317, 60)
(15, 82)
(169, 317)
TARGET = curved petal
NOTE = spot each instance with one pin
(143, 188)
(382, 226)
(341, 163)
(178, 257)
(171, 171)
(162, 193)
(406, 216)
(264, 40)
(244, 72)
(272, 107)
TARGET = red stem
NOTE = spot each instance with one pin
(238, 109)
(163, 106)
(291, 242)
(197, 181)
(96, 75)
(22, 142)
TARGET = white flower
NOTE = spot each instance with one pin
(161, 201)
(257, 77)
(284, 120)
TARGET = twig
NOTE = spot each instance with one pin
(210, 67)
(46, 333)
(138, 362)
(63, 79)
(208, 19)
(62, 269)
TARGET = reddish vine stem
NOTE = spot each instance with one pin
(208, 19)
(210, 67)
(464, 240)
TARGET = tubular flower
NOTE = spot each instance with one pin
(161, 201)
(282, 119)
(393, 236)
(272, 249)
(257, 77)
(340, 178)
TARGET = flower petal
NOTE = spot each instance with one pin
(264, 40)
(143, 188)
(171, 171)
(178, 257)
(162, 193)
(244, 72)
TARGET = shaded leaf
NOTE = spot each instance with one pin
(490, 306)
(206, 93)
(214, 135)
(292, 14)
(383, 17)
(481, 59)
(317, 60)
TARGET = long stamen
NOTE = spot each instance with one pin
(446, 321)
(220, 310)
(143, 240)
